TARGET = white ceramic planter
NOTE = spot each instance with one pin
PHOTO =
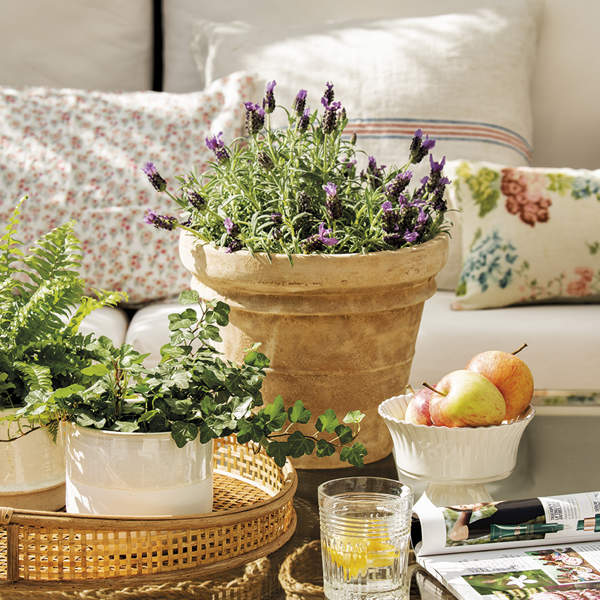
(32, 468)
(136, 474)
(455, 461)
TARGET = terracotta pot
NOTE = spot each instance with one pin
(340, 329)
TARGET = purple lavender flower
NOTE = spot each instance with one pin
(319, 240)
(233, 245)
(333, 203)
(375, 173)
(423, 217)
(439, 202)
(231, 227)
(436, 167)
(328, 94)
(419, 147)
(160, 221)
(349, 167)
(330, 117)
(196, 200)
(304, 202)
(411, 236)
(389, 218)
(269, 99)
(217, 145)
(303, 121)
(393, 239)
(277, 218)
(159, 184)
(264, 160)
(398, 184)
(255, 117)
(300, 102)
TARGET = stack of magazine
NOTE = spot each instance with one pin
(540, 548)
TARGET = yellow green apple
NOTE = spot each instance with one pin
(509, 374)
(466, 398)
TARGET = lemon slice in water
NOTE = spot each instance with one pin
(355, 555)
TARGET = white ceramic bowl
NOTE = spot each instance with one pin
(454, 457)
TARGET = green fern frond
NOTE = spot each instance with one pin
(10, 246)
(90, 304)
(36, 377)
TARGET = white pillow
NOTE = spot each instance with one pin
(463, 77)
(79, 155)
(91, 44)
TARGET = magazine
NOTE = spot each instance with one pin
(545, 548)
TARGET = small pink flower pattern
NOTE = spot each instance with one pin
(582, 285)
(78, 155)
(524, 196)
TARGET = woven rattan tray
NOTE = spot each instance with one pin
(252, 516)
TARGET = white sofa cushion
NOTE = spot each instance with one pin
(91, 44)
(563, 352)
(111, 322)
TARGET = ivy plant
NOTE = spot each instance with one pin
(194, 392)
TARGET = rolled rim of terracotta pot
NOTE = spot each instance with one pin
(322, 271)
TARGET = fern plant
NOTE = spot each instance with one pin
(42, 305)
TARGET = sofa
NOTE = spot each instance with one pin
(145, 45)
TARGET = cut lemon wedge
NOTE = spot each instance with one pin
(355, 555)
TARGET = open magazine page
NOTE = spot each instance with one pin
(556, 572)
(508, 523)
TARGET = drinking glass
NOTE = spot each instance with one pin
(365, 530)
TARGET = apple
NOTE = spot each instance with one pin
(417, 411)
(509, 374)
(466, 398)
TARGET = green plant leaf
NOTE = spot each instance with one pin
(344, 433)
(189, 297)
(299, 445)
(354, 416)
(324, 448)
(97, 370)
(327, 421)
(298, 414)
(278, 451)
(354, 454)
(126, 426)
(183, 432)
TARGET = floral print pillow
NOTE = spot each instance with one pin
(79, 155)
(529, 235)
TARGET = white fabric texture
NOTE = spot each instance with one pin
(87, 44)
(563, 352)
(566, 86)
(430, 62)
(111, 322)
(79, 155)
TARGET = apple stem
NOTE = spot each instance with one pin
(519, 349)
(430, 387)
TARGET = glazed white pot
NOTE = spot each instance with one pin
(455, 461)
(136, 474)
(32, 467)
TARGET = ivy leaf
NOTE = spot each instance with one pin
(95, 370)
(183, 432)
(354, 454)
(324, 448)
(68, 391)
(87, 420)
(298, 414)
(189, 297)
(126, 426)
(279, 451)
(276, 413)
(221, 311)
(249, 431)
(299, 445)
(327, 421)
(344, 434)
(354, 416)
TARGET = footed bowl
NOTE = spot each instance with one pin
(455, 461)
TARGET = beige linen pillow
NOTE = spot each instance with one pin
(529, 235)
(461, 75)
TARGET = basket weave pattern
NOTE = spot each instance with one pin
(252, 515)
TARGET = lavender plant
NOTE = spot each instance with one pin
(299, 189)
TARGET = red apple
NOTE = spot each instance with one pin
(417, 411)
(509, 374)
(466, 398)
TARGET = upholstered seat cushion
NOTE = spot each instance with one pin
(111, 322)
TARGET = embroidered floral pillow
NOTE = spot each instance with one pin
(530, 235)
(79, 155)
